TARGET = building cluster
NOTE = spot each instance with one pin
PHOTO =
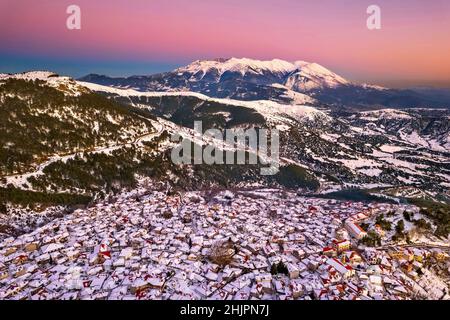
(264, 244)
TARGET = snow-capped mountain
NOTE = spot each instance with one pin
(243, 79)
(299, 76)
(281, 81)
(312, 76)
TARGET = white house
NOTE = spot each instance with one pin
(345, 271)
(355, 230)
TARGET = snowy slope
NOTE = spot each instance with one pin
(62, 83)
(273, 112)
(312, 76)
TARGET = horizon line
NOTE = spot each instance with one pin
(170, 66)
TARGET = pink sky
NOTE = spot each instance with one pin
(413, 46)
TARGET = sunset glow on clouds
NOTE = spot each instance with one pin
(413, 46)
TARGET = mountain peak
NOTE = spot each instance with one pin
(300, 74)
(312, 76)
(316, 70)
(242, 65)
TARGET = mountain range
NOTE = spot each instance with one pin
(277, 80)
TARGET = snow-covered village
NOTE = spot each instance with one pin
(266, 244)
